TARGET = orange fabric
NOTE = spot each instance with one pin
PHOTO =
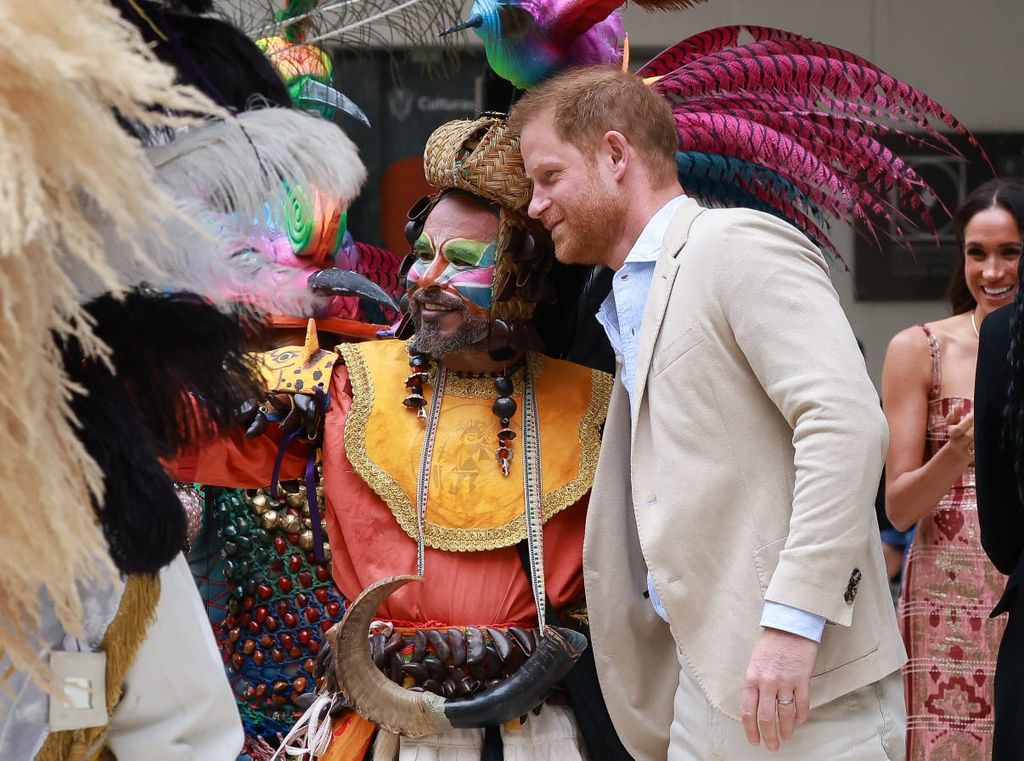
(351, 736)
(339, 326)
(464, 468)
(400, 185)
(239, 462)
(459, 588)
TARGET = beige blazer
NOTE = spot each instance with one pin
(749, 473)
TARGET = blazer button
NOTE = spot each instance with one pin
(851, 586)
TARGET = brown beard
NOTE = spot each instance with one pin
(472, 334)
(592, 227)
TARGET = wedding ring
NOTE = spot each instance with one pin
(786, 702)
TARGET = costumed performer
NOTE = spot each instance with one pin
(269, 608)
(91, 606)
(150, 367)
(464, 456)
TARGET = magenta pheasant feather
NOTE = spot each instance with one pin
(810, 116)
(782, 123)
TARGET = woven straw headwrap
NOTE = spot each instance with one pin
(481, 156)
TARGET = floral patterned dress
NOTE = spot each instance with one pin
(949, 587)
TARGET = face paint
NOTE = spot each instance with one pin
(464, 269)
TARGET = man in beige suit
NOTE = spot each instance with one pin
(733, 569)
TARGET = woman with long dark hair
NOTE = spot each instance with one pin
(949, 585)
(999, 430)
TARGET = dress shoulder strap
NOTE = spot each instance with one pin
(933, 347)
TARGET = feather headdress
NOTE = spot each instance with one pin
(782, 123)
(219, 161)
(228, 181)
(384, 23)
(272, 185)
(798, 128)
(77, 71)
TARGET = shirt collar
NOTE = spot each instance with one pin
(648, 245)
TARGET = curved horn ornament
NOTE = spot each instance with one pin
(526, 689)
(415, 714)
(371, 694)
(339, 282)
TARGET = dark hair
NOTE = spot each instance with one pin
(1006, 194)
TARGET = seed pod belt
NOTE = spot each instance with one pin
(533, 488)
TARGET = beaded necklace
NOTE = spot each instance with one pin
(504, 408)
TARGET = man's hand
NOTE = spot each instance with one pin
(778, 683)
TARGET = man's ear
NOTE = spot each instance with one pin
(617, 151)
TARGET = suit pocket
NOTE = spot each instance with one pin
(840, 645)
(671, 351)
(843, 645)
(765, 560)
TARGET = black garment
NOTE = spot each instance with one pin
(590, 346)
(1002, 526)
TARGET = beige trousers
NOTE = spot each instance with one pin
(868, 724)
(551, 735)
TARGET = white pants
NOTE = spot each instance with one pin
(552, 735)
(868, 724)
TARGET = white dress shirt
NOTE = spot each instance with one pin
(621, 315)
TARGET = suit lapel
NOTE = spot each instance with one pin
(661, 288)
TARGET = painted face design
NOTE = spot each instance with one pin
(464, 268)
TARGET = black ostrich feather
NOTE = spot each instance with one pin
(181, 363)
(179, 372)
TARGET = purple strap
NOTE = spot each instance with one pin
(314, 505)
(314, 508)
(281, 449)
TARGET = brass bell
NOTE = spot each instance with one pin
(269, 519)
(291, 523)
(295, 499)
(306, 540)
(259, 503)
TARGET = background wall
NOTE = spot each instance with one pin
(968, 55)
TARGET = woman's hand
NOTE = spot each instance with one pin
(961, 436)
(914, 485)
